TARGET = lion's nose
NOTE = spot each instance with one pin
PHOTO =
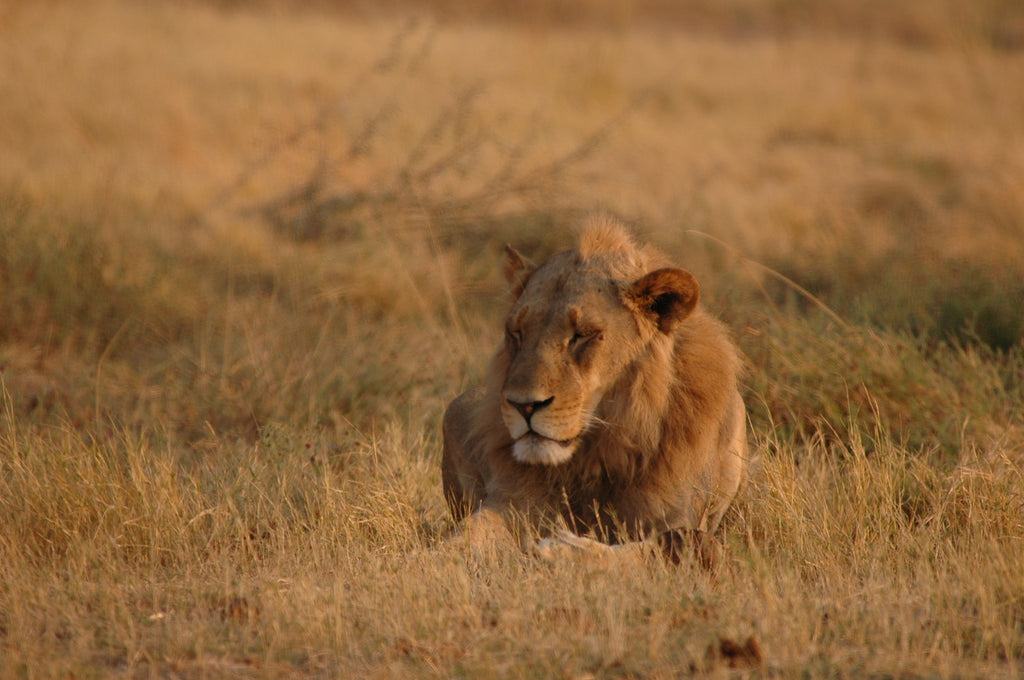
(529, 408)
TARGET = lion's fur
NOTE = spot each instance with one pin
(665, 446)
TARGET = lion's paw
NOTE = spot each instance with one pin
(567, 545)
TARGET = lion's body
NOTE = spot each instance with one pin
(612, 409)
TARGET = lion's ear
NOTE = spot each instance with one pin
(666, 296)
(517, 270)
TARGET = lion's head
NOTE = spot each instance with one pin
(576, 327)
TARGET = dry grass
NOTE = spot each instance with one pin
(247, 256)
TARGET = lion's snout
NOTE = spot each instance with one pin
(542, 430)
(528, 408)
(526, 411)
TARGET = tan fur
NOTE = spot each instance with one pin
(612, 409)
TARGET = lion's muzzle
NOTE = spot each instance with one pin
(543, 433)
(535, 449)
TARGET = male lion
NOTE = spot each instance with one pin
(611, 409)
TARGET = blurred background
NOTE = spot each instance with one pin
(221, 214)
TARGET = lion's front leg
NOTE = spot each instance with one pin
(674, 546)
(486, 530)
(564, 545)
(489, 534)
(678, 545)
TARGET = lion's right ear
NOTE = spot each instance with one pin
(517, 270)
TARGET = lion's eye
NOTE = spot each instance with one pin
(514, 339)
(583, 337)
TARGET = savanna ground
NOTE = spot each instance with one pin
(248, 253)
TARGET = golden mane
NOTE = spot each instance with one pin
(604, 241)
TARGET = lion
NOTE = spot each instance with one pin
(610, 414)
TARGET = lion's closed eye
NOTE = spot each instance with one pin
(583, 342)
(514, 340)
(582, 337)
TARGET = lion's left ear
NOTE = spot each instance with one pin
(666, 296)
(517, 270)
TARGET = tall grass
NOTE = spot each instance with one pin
(228, 332)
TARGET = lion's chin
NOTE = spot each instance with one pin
(536, 450)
